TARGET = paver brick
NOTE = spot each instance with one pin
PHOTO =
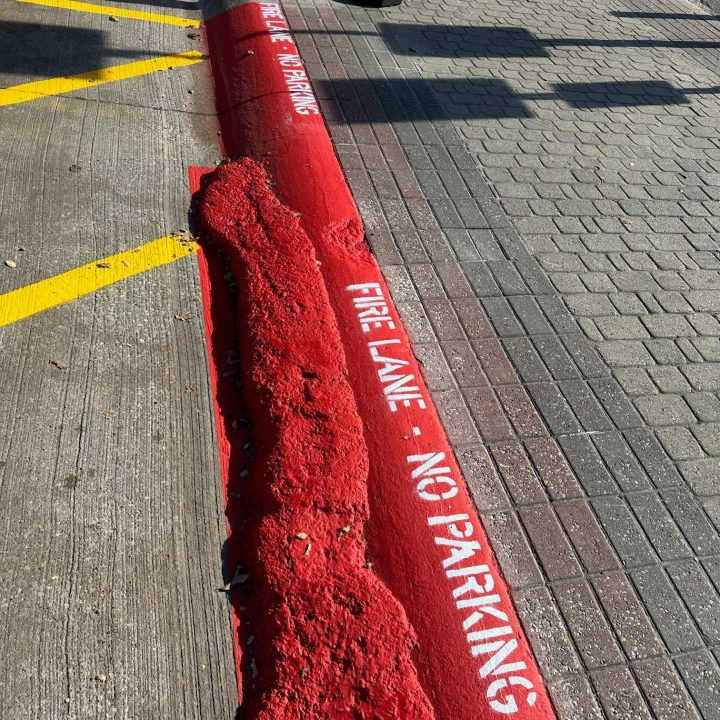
(708, 436)
(585, 405)
(659, 525)
(554, 408)
(666, 609)
(456, 418)
(703, 475)
(661, 410)
(573, 697)
(550, 543)
(699, 595)
(702, 677)
(524, 418)
(482, 479)
(555, 357)
(586, 535)
(592, 634)
(519, 568)
(627, 616)
(623, 465)
(667, 352)
(704, 377)
(664, 689)
(669, 379)
(635, 381)
(549, 634)
(619, 694)
(623, 328)
(590, 305)
(680, 443)
(625, 353)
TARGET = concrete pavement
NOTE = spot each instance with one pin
(111, 508)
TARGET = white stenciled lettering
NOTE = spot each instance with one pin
(373, 310)
(487, 628)
(289, 61)
(398, 386)
(296, 81)
(508, 704)
(435, 482)
(298, 85)
(459, 550)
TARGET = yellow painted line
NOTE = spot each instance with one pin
(116, 12)
(32, 299)
(55, 86)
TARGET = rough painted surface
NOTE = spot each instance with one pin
(330, 639)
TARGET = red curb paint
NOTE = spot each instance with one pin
(331, 640)
(230, 416)
(424, 537)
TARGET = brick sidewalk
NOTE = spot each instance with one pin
(541, 185)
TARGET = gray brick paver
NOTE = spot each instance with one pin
(585, 218)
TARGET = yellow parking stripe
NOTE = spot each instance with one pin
(117, 12)
(55, 86)
(32, 299)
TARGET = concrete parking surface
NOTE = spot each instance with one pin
(111, 510)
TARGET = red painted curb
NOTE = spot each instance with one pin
(423, 533)
(330, 640)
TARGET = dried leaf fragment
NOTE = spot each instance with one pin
(241, 577)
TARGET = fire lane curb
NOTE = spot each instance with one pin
(423, 534)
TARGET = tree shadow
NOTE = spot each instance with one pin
(382, 100)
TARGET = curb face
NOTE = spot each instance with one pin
(424, 538)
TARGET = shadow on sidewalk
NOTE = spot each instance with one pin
(381, 100)
(664, 16)
(45, 51)
(167, 4)
(489, 41)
